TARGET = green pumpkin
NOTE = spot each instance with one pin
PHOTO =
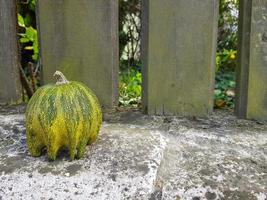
(65, 115)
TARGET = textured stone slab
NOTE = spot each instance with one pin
(179, 45)
(80, 38)
(142, 157)
(10, 86)
(213, 165)
(252, 69)
(121, 164)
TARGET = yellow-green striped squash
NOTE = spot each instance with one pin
(65, 115)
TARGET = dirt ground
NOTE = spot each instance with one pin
(142, 157)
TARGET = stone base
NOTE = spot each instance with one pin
(141, 157)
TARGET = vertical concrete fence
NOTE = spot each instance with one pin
(80, 38)
(251, 100)
(179, 37)
(10, 87)
(179, 48)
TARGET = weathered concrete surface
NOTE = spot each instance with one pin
(141, 157)
(80, 38)
(257, 88)
(10, 86)
(252, 69)
(178, 52)
(123, 163)
(244, 22)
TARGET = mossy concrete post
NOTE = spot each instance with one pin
(178, 53)
(10, 86)
(80, 38)
(251, 100)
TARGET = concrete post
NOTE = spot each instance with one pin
(251, 100)
(80, 38)
(10, 86)
(179, 49)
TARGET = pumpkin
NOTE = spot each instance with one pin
(65, 115)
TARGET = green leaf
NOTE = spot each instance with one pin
(21, 21)
(32, 5)
(24, 40)
(31, 33)
(35, 57)
(217, 92)
(28, 48)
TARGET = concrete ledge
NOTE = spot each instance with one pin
(142, 157)
(122, 163)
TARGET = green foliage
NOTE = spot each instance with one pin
(129, 34)
(129, 37)
(228, 24)
(32, 5)
(224, 89)
(130, 88)
(226, 54)
(29, 37)
(27, 10)
(227, 35)
(226, 58)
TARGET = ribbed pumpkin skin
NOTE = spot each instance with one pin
(62, 116)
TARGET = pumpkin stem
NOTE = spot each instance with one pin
(61, 79)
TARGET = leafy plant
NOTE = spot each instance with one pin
(130, 88)
(224, 89)
(226, 58)
(227, 35)
(226, 54)
(228, 24)
(129, 34)
(29, 38)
